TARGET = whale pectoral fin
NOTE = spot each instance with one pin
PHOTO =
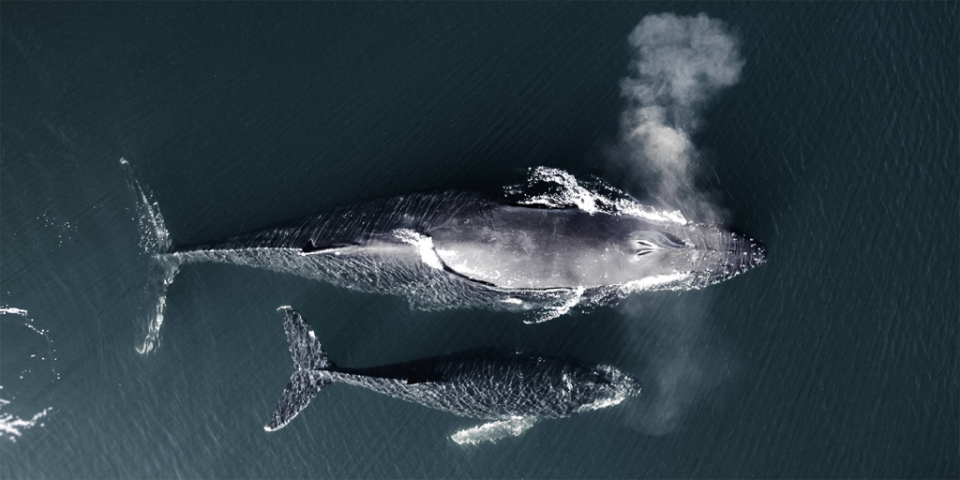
(564, 301)
(302, 388)
(494, 431)
(422, 377)
(325, 249)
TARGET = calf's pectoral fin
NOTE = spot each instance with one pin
(494, 431)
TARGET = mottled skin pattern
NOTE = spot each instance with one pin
(486, 384)
(493, 384)
(477, 250)
(357, 247)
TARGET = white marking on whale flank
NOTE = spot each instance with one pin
(424, 246)
(650, 283)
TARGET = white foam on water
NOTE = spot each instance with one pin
(570, 192)
(12, 427)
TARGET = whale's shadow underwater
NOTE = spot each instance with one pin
(511, 389)
(538, 251)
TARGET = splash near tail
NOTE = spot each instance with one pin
(156, 241)
(310, 362)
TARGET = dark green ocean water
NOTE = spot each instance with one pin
(838, 147)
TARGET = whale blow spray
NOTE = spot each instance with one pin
(678, 65)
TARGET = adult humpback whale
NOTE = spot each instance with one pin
(540, 251)
(514, 390)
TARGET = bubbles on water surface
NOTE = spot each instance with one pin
(31, 366)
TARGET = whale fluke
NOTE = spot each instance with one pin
(156, 241)
(304, 346)
(309, 360)
(302, 388)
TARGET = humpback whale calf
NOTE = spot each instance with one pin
(512, 390)
(540, 251)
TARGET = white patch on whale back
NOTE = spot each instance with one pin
(424, 246)
(571, 193)
(13, 310)
(493, 431)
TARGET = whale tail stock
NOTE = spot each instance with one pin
(156, 241)
(309, 361)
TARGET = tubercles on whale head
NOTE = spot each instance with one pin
(688, 256)
(616, 387)
(731, 254)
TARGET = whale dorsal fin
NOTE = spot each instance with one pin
(494, 431)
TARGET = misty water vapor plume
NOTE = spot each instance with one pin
(678, 64)
(684, 361)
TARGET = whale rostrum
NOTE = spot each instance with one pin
(512, 390)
